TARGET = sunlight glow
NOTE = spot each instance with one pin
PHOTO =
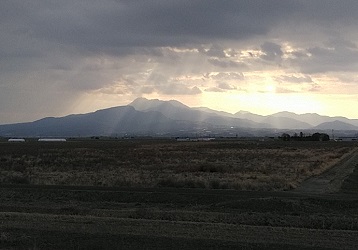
(271, 88)
(262, 103)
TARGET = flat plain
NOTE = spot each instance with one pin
(160, 194)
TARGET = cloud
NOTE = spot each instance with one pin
(74, 47)
(329, 58)
(179, 89)
(282, 90)
(314, 88)
(271, 51)
(214, 51)
(226, 63)
(221, 87)
(214, 89)
(228, 76)
(114, 26)
(294, 79)
(226, 86)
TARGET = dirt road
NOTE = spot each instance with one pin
(331, 180)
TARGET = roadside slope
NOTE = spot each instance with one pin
(331, 180)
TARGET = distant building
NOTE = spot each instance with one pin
(183, 139)
(51, 140)
(16, 140)
(195, 139)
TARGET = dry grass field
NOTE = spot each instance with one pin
(240, 165)
(163, 194)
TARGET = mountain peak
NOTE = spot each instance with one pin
(243, 112)
(142, 103)
(285, 113)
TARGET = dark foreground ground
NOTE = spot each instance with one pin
(43, 217)
(80, 217)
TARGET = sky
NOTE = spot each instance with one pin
(262, 56)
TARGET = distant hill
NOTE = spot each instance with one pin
(279, 120)
(315, 119)
(156, 117)
(336, 125)
(286, 123)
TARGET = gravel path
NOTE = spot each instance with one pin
(331, 180)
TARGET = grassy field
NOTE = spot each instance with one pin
(240, 165)
(163, 194)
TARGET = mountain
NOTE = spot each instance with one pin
(177, 111)
(336, 125)
(283, 121)
(290, 120)
(142, 104)
(212, 111)
(156, 117)
(315, 119)
(286, 123)
(117, 120)
(249, 116)
(171, 109)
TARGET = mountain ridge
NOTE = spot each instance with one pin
(157, 117)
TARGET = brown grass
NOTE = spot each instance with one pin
(214, 165)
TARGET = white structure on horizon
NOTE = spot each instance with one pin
(52, 139)
(16, 140)
(195, 139)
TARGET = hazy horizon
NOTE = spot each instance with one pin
(261, 56)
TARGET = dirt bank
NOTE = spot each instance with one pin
(331, 180)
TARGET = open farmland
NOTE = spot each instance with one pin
(163, 194)
(239, 165)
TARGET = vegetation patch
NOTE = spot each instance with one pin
(240, 165)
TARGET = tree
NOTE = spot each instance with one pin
(285, 137)
(320, 137)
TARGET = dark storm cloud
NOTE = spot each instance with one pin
(214, 51)
(332, 57)
(32, 28)
(116, 26)
(272, 51)
(82, 45)
(113, 26)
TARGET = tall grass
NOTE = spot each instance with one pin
(213, 165)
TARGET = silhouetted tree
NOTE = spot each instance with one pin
(285, 137)
(320, 137)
